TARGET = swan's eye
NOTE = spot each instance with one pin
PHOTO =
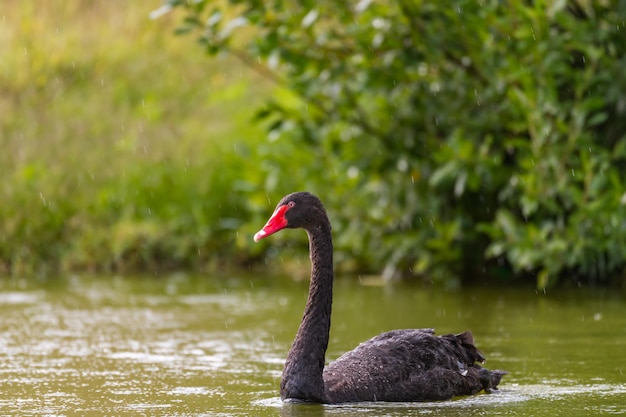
(291, 204)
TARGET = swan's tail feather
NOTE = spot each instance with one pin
(496, 376)
(490, 379)
(467, 340)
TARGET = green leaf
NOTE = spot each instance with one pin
(444, 174)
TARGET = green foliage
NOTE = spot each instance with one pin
(121, 150)
(465, 139)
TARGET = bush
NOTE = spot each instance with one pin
(120, 149)
(478, 139)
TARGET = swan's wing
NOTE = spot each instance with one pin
(406, 365)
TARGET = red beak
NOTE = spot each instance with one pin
(274, 224)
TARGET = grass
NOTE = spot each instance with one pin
(123, 146)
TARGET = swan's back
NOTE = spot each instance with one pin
(409, 365)
(401, 365)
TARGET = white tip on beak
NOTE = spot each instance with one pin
(259, 235)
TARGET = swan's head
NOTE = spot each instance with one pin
(300, 209)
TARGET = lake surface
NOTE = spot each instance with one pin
(192, 345)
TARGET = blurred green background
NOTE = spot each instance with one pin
(123, 147)
(456, 143)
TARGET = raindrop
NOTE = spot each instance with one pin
(378, 23)
(273, 136)
(362, 5)
(155, 14)
(378, 40)
(422, 69)
(234, 24)
(310, 18)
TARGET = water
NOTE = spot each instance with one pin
(190, 346)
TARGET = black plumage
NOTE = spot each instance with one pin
(399, 365)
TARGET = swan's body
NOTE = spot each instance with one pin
(400, 365)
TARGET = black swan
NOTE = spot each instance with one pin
(400, 365)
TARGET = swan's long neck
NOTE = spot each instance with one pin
(302, 376)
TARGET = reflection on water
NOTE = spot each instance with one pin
(186, 345)
(548, 400)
